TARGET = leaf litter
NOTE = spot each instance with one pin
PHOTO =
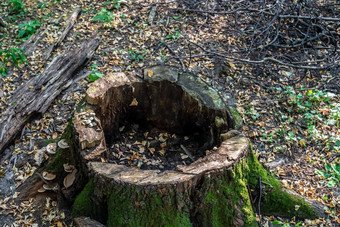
(294, 129)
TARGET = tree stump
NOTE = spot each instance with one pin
(212, 190)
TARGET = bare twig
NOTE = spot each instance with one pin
(3, 22)
(266, 59)
(187, 152)
(70, 23)
(255, 10)
(175, 56)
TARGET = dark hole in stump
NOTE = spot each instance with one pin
(161, 122)
(161, 127)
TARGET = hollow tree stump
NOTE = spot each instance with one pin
(211, 191)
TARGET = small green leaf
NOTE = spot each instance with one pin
(95, 75)
(331, 183)
(328, 167)
(21, 33)
(276, 222)
(323, 173)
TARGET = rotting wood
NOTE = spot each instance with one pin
(71, 20)
(31, 44)
(213, 190)
(86, 221)
(2, 22)
(37, 94)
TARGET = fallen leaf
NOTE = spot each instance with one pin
(302, 143)
(54, 135)
(134, 102)
(150, 73)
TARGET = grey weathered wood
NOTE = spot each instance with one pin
(32, 43)
(3, 22)
(86, 222)
(37, 94)
(71, 20)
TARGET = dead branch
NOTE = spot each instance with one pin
(2, 22)
(35, 96)
(72, 19)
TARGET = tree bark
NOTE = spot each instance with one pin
(37, 94)
(69, 25)
(2, 22)
(211, 191)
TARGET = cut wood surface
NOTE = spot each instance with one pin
(37, 94)
(211, 191)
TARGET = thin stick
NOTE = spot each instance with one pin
(187, 152)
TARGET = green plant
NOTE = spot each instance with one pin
(277, 222)
(15, 6)
(290, 137)
(332, 174)
(95, 74)
(14, 55)
(250, 110)
(28, 28)
(136, 56)
(104, 16)
(116, 3)
(174, 36)
(267, 137)
(334, 115)
(42, 5)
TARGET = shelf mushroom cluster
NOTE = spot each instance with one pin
(48, 178)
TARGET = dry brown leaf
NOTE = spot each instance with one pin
(150, 73)
(134, 102)
(54, 135)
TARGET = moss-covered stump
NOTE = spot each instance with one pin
(211, 191)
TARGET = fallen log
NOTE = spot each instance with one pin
(37, 94)
(32, 43)
(71, 20)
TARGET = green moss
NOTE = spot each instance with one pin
(227, 198)
(222, 200)
(83, 205)
(45, 142)
(63, 156)
(276, 201)
(126, 207)
(238, 119)
(232, 192)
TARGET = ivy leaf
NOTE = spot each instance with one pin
(331, 183)
(95, 76)
(276, 222)
(328, 167)
(21, 33)
(337, 143)
(323, 174)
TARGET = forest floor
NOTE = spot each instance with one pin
(286, 91)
